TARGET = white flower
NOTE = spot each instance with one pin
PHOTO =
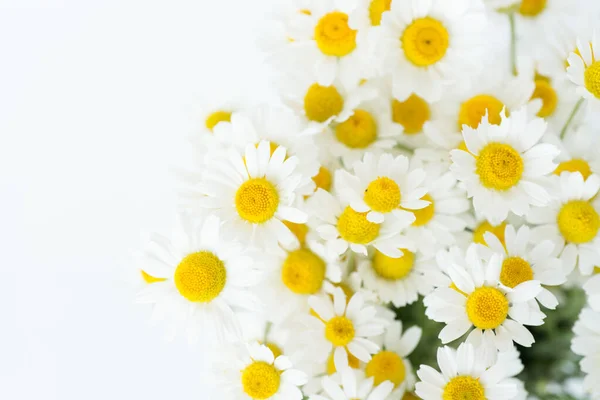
(592, 290)
(578, 152)
(199, 281)
(351, 384)
(586, 343)
(572, 222)
(584, 69)
(504, 167)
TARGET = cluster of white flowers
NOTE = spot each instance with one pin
(424, 150)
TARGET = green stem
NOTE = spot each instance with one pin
(513, 43)
(400, 146)
(267, 330)
(563, 131)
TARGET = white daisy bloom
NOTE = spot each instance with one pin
(592, 290)
(572, 222)
(577, 152)
(342, 327)
(253, 194)
(586, 343)
(525, 260)
(343, 227)
(465, 375)
(584, 69)
(477, 299)
(351, 384)
(383, 186)
(439, 43)
(505, 168)
(257, 374)
(198, 281)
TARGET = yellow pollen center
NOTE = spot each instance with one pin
(376, 10)
(358, 131)
(487, 307)
(578, 221)
(355, 228)
(473, 110)
(339, 331)
(411, 113)
(546, 93)
(151, 279)
(303, 272)
(515, 270)
(322, 102)
(323, 179)
(256, 200)
(499, 166)
(382, 195)
(425, 214)
(260, 380)
(200, 277)
(353, 362)
(463, 388)
(386, 366)
(276, 350)
(484, 227)
(218, 116)
(531, 8)
(299, 230)
(334, 36)
(591, 78)
(574, 165)
(393, 268)
(425, 41)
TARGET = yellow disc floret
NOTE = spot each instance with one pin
(499, 166)
(353, 362)
(256, 200)
(355, 228)
(546, 93)
(358, 131)
(425, 41)
(487, 307)
(393, 268)
(591, 78)
(578, 221)
(386, 366)
(574, 165)
(464, 388)
(218, 116)
(260, 380)
(299, 230)
(200, 276)
(383, 195)
(322, 102)
(411, 113)
(339, 331)
(485, 226)
(376, 10)
(151, 279)
(323, 179)
(473, 110)
(531, 8)
(334, 36)
(303, 272)
(515, 270)
(425, 214)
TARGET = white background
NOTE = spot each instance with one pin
(97, 98)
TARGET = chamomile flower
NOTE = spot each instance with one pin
(351, 384)
(577, 152)
(584, 69)
(257, 374)
(427, 46)
(586, 343)
(197, 280)
(504, 168)
(253, 194)
(383, 186)
(592, 290)
(572, 222)
(343, 227)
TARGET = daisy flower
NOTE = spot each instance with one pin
(257, 374)
(198, 280)
(383, 186)
(253, 194)
(592, 290)
(343, 227)
(504, 167)
(572, 222)
(465, 375)
(586, 343)
(351, 384)
(584, 69)
(439, 42)
(525, 260)
(577, 152)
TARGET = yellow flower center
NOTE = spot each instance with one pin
(487, 307)
(515, 270)
(339, 331)
(383, 195)
(393, 268)
(425, 214)
(334, 36)
(485, 226)
(473, 110)
(463, 388)
(591, 77)
(322, 102)
(358, 131)
(578, 221)
(386, 366)
(305, 12)
(303, 272)
(149, 278)
(260, 380)
(256, 200)
(546, 93)
(276, 350)
(299, 230)
(200, 276)
(218, 116)
(425, 41)
(531, 8)
(574, 165)
(355, 228)
(376, 10)
(353, 362)
(499, 166)
(323, 179)
(411, 113)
